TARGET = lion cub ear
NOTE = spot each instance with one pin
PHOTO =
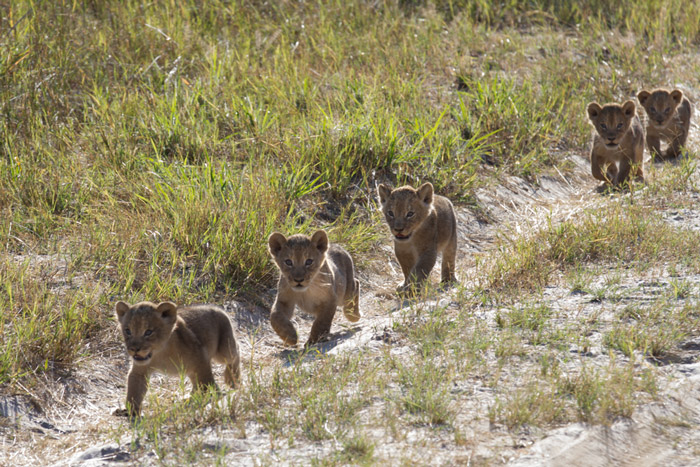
(167, 310)
(121, 309)
(384, 192)
(677, 95)
(320, 241)
(642, 96)
(276, 242)
(425, 193)
(629, 109)
(593, 110)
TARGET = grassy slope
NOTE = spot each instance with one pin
(150, 148)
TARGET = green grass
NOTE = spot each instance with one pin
(622, 233)
(652, 331)
(591, 395)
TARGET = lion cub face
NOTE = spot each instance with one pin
(660, 105)
(405, 208)
(611, 121)
(146, 328)
(299, 257)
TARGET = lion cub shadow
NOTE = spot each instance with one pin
(684, 156)
(605, 189)
(292, 356)
(405, 299)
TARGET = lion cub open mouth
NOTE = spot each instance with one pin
(402, 237)
(142, 358)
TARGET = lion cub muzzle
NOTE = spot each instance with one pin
(399, 233)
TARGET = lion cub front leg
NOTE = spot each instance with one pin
(623, 172)
(407, 260)
(202, 376)
(281, 321)
(674, 148)
(426, 263)
(598, 163)
(322, 324)
(136, 387)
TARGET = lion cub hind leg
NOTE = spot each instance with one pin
(227, 353)
(448, 261)
(351, 308)
(136, 387)
(202, 376)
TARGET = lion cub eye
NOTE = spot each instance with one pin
(619, 126)
(148, 332)
(127, 331)
(603, 126)
(288, 262)
(668, 109)
(309, 262)
(652, 109)
(390, 213)
(409, 214)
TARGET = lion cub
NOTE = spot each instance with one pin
(423, 225)
(618, 142)
(669, 115)
(315, 276)
(169, 339)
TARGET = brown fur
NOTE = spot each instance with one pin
(618, 142)
(669, 115)
(316, 277)
(423, 225)
(179, 339)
